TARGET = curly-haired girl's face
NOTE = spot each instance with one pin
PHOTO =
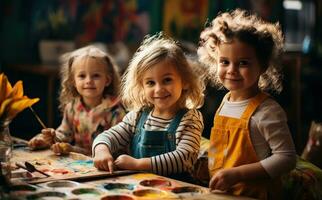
(90, 79)
(238, 69)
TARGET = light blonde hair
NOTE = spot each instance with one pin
(154, 50)
(266, 39)
(68, 89)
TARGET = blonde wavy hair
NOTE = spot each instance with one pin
(68, 90)
(153, 50)
(266, 39)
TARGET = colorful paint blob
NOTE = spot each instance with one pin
(117, 197)
(20, 190)
(159, 183)
(150, 193)
(62, 184)
(118, 186)
(47, 195)
(187, 189)
(86, 192)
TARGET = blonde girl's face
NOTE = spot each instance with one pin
(163, 85)
(238, 69)
(90, 79)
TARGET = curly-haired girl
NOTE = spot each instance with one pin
(163, 127)
(250, 140)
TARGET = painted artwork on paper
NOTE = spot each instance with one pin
(187, 21)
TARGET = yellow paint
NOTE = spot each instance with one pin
(143, 176)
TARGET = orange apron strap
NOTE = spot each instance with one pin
(253, 104)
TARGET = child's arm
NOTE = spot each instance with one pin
(43, 140)
(128, 162)
(226, 178)
(116, 137)
(103, 158)
(188, 144)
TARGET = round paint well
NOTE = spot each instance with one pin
(117, 197)
(62, 184)
(48, 195)
(26, 188)
(118, 186)
(187, 189)
(149, 193)
(86, 192)
(156, 183)
(22, 190)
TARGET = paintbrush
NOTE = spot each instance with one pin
(38, 118)
(31, 168)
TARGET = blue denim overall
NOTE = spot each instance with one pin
(151, 143)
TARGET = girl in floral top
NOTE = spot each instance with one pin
(90, 84)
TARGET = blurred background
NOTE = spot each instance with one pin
(35, 33)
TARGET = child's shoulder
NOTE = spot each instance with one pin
(270, 108)
(193, 114)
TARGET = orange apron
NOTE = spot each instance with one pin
(231, 146)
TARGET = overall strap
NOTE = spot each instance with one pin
(173, 127)
(176, 120)
(143, 115)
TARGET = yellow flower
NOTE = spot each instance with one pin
(12, 100)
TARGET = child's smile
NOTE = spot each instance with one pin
(90, 80)
(238, 68)
(162, 86)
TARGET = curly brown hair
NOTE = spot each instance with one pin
(68, 90)
(266, 38)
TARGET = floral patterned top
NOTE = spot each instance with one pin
(80, 125)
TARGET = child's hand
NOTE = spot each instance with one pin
(126, 162)
(103, 158)
(62, 148)
(43, 140)
(224, 179)
(49, 133)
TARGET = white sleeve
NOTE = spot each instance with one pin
(118, 136)
(271, 122)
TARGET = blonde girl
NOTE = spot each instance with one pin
(88, 99)
(250, 141)
(163, 127)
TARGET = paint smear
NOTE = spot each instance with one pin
(22, 190)
(159, 183)
(118, 186)
(86, 192)
(149, 193)
(117, 197)
(47, 195)
(143, 176)
(187, 189)
(62, 184)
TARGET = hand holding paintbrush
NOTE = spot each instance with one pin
(43, 140)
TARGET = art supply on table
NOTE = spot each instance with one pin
(31, 168)
(37, 117)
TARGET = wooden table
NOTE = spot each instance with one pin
(98, 184)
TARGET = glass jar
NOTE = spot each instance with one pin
(5, 155)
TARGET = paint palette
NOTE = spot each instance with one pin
(141, 186)
(72, 167)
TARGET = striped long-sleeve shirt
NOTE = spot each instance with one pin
(187, 140)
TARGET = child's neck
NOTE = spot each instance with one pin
(169, 114)
(242, 95)
(91, 103)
